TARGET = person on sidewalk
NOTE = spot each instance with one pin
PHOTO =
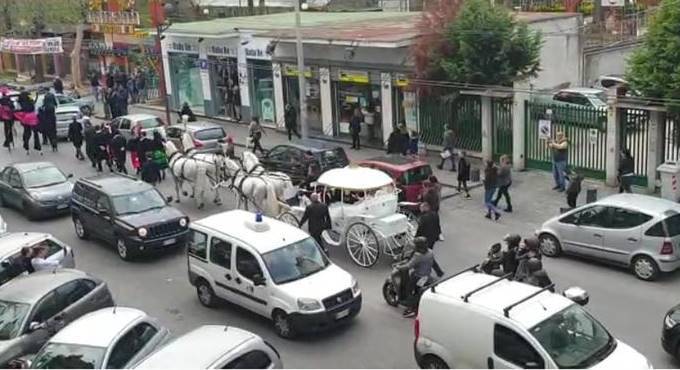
(290, 119)
(504, 182)
(626, 171)
(186, 111)
(94, 85)
(463, 174)
(89, 134)
(255, 132)
(574, 189)
(58, 86)
(490, 186)
(394, 142)
(448, 152)
(430, 228)
(355, 128)
(140, 85)
(25, 113)
(75, 135)
(559, 147)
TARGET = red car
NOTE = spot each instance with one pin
(409, 173)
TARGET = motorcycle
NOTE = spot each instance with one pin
(395, 289)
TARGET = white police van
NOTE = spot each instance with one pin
(271, 268)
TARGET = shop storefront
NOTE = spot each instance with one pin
(262, 91)
(358, 91)
(291, 94)
(185, 73)
(404, 102)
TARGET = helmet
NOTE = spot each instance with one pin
(420, 244)
(495, 248)
(534, 264)
(532, 243)
(513, 240)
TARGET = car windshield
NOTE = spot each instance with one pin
(417, 175)
(295, 261)
(12, 315)
(151, 122)
(215, 133)
(45, 176)
(574, 339)
(138, 202)
(69, 356)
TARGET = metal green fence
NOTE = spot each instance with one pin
(672, 138)
(463, 113)
(634, 131)
(502, 127)
(586, 132)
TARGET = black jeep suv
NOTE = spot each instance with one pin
(127, 213)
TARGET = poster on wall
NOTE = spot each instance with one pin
(51, 45)
(410, 110)
(544, 129)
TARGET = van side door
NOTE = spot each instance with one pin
(248, 269)
(513, 351)
(219, 267)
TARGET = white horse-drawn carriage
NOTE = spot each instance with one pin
(364, 209)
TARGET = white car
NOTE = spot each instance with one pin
(475, 320)
(149, 123)
(214, 347)
(271, 268)
(110, 338)
(10, 251)
(67, 109)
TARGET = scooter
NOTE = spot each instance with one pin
(395, 289)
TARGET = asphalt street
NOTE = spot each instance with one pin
(379, 338)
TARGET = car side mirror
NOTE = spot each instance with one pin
(69, 176)
(258, 280)
(577, 295)
(168, 199)
(33, 326)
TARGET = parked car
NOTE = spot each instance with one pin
(215, 347)
(411, 173)
(294, 160)
(35, 307)
(475, 320)
(110, 338)
(579, 97)
(38, 189)
(127, 213)
(68, 107)
(271, 268)
(12, 243)
(148, 122)
(670, 334)
(206, 136)
(631, 230)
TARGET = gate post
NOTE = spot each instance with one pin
(613, 141)
(655, 147)
(519, 127)
(487, 128)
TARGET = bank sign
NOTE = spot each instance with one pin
(51, 45)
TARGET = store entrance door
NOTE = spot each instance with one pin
(292, 96)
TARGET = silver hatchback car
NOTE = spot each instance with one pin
(631, 230)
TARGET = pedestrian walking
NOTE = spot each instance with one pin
(25, 113)
(7, 118)
(319, 219)
(107, 101)
(47, 125)
(463, 174)
(75, 135)
(290, 119)
(574, 189)
(58, 86)
(102, 141)
(448, 152)
(140, 85)
(355, 128)
(255, 132)
(504, 182)
(118, 150)
(132, 91)
(430, 228)
(150, 172)
(94, 85)
(559, 147)
(144, 148)
(89, 134)
(433, 192)
(122, 99)
(490, 186)
(626, 171)
(158, 153)
(186, 111)
(110, 81)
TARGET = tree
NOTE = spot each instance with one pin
(490, 46)
(431, 45)
(654, 68)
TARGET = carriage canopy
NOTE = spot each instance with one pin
(355, 178)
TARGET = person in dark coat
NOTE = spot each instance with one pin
(151, 172)
(429, 227)
(355, 128)
(490, 186)
(394, 142)
(75, 135)
(626, 171)
(7, 117)
(186, 111)
(404, 139)
(157, 149)
(110, 81)
(537, 275)
(47, 124)
(319, 219)
(89, 133)
(510, 255)
(58, 86)
(574, 188)
(432, 193)
(118, 150)
(102, 140)
(122, 97)
(290, 119)
(144, 148)
(531, 249)
(26, 108)
(463, 174)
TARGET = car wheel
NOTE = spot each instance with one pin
(80, 229)
(433, 362)
(550, 246)
(282, 325)
(205, 294)
(124, 252)
(645, 268)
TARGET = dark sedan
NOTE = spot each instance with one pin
(38, 189)
(670, 335)
(295, 160)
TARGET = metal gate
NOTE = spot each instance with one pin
(585, 128)
(463, 113)
(672, 138)
(634, 131)
(502, 127)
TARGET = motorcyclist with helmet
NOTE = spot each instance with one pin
(420, 269)
(510, 255)
(537, 275)
(493, 262)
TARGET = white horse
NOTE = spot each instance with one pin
(282, 182)
(253, 189)
(202, 175)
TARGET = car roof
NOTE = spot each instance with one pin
(502, 294)
(11, 242)
(114, 184)
(644, 203)
(138, 116)
(396, 162)
(582, 90)
(236, 223)
(30, 288)
(314, 146)
(99, 328)
(197, 126)
(30, 166)
(210, 341)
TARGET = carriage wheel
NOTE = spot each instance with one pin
(290, 219)
(362, 244)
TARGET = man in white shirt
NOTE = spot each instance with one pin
(39, 262)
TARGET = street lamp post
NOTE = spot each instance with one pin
(301, 72)
(162, 25)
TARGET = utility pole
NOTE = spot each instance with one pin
(301, 73)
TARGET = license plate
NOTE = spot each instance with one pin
(62, 206)
(170, 241)
(342, 314)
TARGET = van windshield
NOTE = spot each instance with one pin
(295, 261)
(574, 339)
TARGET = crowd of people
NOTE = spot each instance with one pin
(520, 261)
(117, 90)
